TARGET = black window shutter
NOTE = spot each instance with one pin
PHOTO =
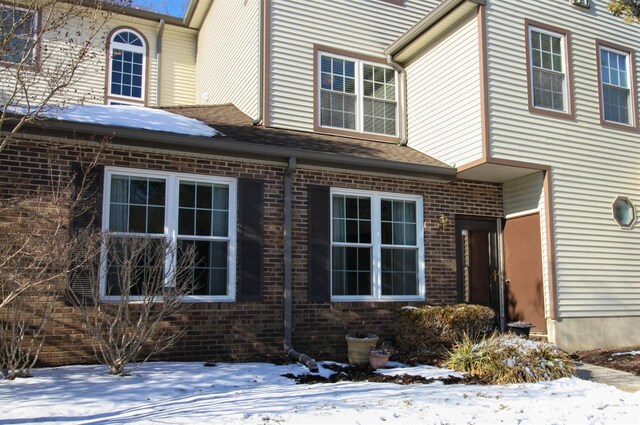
(319, 244)
(85, 215)
(250, 239)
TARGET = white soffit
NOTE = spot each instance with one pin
(495, 173)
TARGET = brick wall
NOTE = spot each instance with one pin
(240, 331)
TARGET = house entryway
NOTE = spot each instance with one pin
(523, 293)
(477, 262)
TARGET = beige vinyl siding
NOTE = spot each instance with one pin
(89, 81)
(227, 66)
(360, 26)
(525, 196)
(93, 76)
(597, 263)
(178, 74)
(443, 96)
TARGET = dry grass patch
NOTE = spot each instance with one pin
(507, 359)
(429, 332)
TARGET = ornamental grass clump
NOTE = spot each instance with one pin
(507, 359)
(429, 332)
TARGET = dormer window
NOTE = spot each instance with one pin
(355, 95)
(127, 68)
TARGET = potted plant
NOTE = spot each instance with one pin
(358, 346)
(379, 356)
(521, 328)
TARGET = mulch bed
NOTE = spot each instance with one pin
(606, 358)
(365, 373)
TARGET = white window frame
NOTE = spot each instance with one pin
(376, 245)
(35, 52)
(171, 227)
(359, 93)
(118, 98)
(631, 97)
(565, 63)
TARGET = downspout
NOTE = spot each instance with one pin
(159, 60)
(288, 348)
(261, 67)
(403, 99)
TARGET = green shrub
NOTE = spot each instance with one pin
(508, 358)
(425, 333)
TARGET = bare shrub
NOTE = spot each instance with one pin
(137, 318)
(37, 253)
(34, 249)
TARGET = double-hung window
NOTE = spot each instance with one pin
(186, 214)
(127, 68)
(18, 35)
(548, 70)
(377, 246)
(356, 95)
(616, 87)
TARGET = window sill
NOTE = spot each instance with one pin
(569, 116)
(124, 101)
(355, 134)
(190, 299)
(387, 299)
(617, 126)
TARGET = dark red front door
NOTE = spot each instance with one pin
(524, 297)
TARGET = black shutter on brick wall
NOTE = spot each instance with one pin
(86, 215)
(319, 244)
(250, 239)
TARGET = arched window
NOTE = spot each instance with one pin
(127, 68)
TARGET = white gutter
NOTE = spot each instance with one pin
(402, 101)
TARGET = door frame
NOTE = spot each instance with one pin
(494, 225)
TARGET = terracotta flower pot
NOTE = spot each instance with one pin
(378, 359)
(358, 348)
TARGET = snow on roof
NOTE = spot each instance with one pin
(138, 117)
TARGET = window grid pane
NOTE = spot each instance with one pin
(399, 271)
(132, 263)
(137, 205)
(398, 222)
(351, 219)
(208, 272)
(203, 209)
(548, 76)
(351, 271)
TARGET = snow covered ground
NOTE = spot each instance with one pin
(256, 393)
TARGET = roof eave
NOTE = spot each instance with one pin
(222, 145)
(418, 35)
